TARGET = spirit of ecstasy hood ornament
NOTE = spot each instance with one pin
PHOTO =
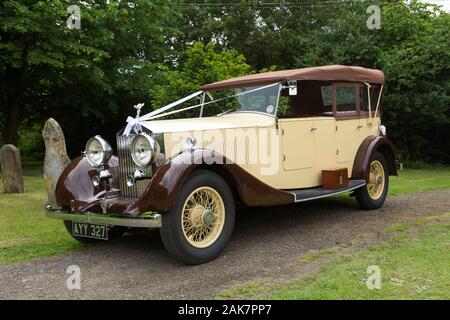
(138, 108)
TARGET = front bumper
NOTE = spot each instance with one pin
(142, 221)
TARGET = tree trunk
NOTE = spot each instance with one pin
(14, 94)
(10, 135)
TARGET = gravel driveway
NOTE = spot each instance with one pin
(266, 242)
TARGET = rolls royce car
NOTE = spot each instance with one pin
(264, 139)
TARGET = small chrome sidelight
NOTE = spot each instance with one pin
(103, 175)
(95, 181)
(190, 144)
(383, 130)
(138, 175)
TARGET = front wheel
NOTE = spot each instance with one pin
(199, 225)
(373, 194)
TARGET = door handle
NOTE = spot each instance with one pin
(359, 127)
(313, 129)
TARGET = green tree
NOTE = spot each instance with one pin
(78, 74)
(199, 65)
(416, 61)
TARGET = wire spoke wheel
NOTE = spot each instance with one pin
(203, 217)
(376, 183)
(200, 223)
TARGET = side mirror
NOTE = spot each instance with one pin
(292, 87)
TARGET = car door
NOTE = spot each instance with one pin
(324, 143)
(297, 143)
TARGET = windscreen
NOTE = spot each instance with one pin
(262, 99)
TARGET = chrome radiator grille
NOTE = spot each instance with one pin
(127, 167)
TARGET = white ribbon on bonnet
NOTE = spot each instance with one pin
(137, 123)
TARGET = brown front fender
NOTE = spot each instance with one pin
(75, 187)
(365, 152)
(172, 174)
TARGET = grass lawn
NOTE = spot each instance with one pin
(410, 181)
(414, 265)
(26, 234)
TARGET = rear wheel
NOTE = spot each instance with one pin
(200, 223)
(113, 233)
(373, 194)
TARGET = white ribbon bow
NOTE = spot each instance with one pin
(133, 124)
(137, 123)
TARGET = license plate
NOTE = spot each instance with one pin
(89, 230)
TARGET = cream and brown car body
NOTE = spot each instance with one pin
(267, 158)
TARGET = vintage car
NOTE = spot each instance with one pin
(264, 139)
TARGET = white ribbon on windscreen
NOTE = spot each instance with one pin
(138, 122)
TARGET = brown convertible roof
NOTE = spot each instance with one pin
(325, 73)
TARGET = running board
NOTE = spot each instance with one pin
(302, 195)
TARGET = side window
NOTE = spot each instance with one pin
(327, 98)
(283, 106)
(345, 99)
(374, 93)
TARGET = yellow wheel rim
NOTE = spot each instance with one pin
(203, 217)
(376, 183)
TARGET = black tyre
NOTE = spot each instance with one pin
(113, 233)
(373, 195)
(200, 223)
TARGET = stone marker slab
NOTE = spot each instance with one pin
(56, 159)
(11, 169)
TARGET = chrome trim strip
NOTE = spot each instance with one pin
(328, 195)
(150, 221)
(257, 112)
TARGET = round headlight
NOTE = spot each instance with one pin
(98, 151)
(144, 149)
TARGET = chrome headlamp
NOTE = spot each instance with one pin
(98, 151)
(144, 149)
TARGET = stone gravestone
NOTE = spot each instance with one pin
(56, 158)
(11, 169)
